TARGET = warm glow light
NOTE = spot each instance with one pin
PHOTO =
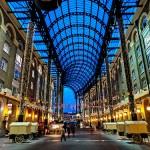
(148, 108)
(125, 114)
(114, 116)
(101, 118)
(29, 115)
(35, 116)
(120, 115)
(138, 110)
(9, 112)
(109, 118)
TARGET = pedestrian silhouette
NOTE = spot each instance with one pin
(68, 130)
(63, 134)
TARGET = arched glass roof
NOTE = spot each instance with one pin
(77, 29)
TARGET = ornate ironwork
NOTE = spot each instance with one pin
(125, 59)
(26, 69)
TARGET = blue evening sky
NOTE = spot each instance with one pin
(69, 100)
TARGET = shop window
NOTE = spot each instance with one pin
(6, 48)
(135, 88)
(133, 75)
(3, 64)
(138, 51)
(16, 75)
(141, 67)
(144, 84)
(131, 60)
(18, 60)
(33, 74)
(31, 85)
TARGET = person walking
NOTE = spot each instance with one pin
(63, 134)
(73, 129)
(68, 130)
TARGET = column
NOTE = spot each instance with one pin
(109, 89)
(101, 95)
(61, 101)
(125, 59)
(90, 107)
(26, 69)
(57, 97)
(98, 105)
(47, 105)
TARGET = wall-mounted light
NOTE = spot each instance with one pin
(138, 110)
(9, 112)
(29, 115)
(148, 108)
(125, 114)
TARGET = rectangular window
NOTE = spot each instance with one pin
(14, 91)
(3, 64)
(141, 67)
(18, 60)
(6, 48)
(16, 75)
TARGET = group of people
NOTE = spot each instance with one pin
(69, 128)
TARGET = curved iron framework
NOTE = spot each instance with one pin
(78, 33)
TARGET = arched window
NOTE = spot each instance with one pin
(141, 67)
(40, 69)
(133, 75)
(144, 23)
(144, 84)
(131, 60)
(20, 46)
(135, 88)
(9, 33)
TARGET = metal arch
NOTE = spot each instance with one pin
(76, 14)
(84, 75)
(82, 35)
(63, 62)
(78, 64)
(77, 83)
(87, 44)
(76, 25)
(75, 69)
(70, 76)
(74, 50)
(99, 3)
(73, 80)
(71, 86)
(71, 62)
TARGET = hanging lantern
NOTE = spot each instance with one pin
(48, 4)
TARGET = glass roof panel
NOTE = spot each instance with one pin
(77, 29)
